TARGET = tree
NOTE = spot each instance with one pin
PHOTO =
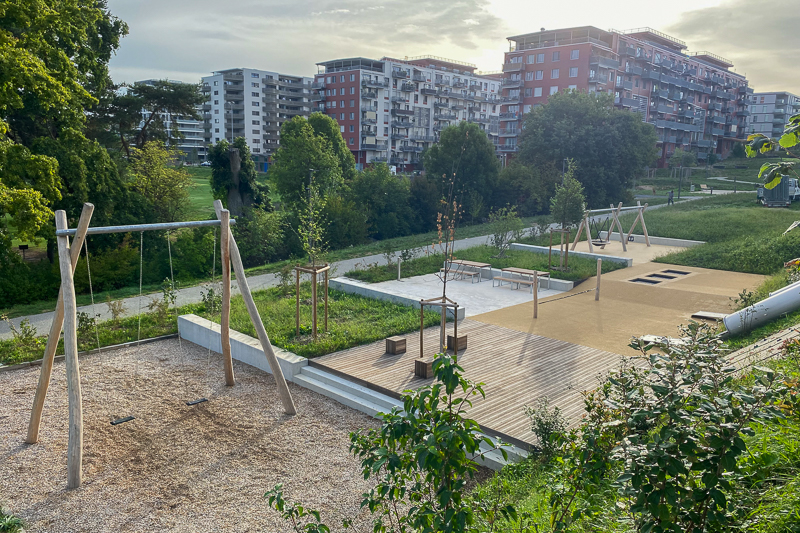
(506, 227)
(325, 126)
(302, 152)
(569, 203)
(467, 147)
(384, 200)
(738, 151)
(683, 158)
(527, 187)
(153, 176)
(234, 177)
(609, 145)
(53, 65)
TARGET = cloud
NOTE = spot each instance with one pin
(760, 38)
(185, 39)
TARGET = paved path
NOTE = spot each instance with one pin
(192, 294)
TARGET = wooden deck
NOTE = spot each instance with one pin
(516, 367)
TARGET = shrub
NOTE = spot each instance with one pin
(259, 235)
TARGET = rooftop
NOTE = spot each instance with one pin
(649, 34)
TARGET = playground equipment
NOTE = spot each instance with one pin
(779, 303)
(613, 220)
(66, 316)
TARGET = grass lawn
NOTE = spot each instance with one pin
(743, 176)
(741, 236)
(201, 202)
(580, 268)
(352, 321)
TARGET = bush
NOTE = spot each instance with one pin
(259, 235)
(22, 282)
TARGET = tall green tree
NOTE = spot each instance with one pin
(384, 200)
(609, 145)
(325, 126)
(568, 205)
(466, 153)
(236, 185)
(683, 158)
(306, 155)
(53, 63)
(154, 175)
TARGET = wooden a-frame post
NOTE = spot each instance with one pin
(615, 222)
(584, 226)
(55, 330)
(255, 318)
(225, 318)
(640, 218)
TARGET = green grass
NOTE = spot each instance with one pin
(352, 321)
(579, 268)
(201, 202)
(741, 236)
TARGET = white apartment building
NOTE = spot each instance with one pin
(390, 110)
(190, 128)
(253, 103)
(770, 112)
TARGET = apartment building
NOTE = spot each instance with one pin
(252, 103)
(694, 101)
(770, 112)
(390, 110)
(191, 129)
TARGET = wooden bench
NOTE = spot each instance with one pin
(395, 345)
(518, 281)
(423, 367)
(703, 187)
(461, 273)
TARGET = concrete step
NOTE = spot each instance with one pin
(385, 402)
(343, 397)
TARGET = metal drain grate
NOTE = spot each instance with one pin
(660, 276)
(678, 272)
(646, 281)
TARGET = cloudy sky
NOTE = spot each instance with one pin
(186, 39)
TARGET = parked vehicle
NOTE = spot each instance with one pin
(779, 196)
(794, 189)
(205, 164)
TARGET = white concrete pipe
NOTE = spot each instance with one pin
(779, 303)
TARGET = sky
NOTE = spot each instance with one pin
(187, 39)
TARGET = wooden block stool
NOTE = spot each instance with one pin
(423, 367)
(461, 344)
(396, 345)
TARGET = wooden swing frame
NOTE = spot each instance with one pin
(615, 211)
(66, 316)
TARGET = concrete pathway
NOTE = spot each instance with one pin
(189, 295)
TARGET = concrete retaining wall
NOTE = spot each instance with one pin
(244, 348)
(544, 249)
(352, 286)
(658, 241)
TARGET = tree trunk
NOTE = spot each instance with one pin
(235, 203)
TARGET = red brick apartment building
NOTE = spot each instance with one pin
(693, 100)
(390, 110)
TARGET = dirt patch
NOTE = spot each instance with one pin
(175, 468)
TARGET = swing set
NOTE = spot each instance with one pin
(66, 316)
(608, 224)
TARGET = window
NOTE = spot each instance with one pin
(352, 103)
(216, 130)
(256, 122)
(352, 116)
(254, 94)
(352, 141)
(540, 58)
(352, 90)
(531, 59)
(574, 54)
(529, 76)
(216, 93)
(352, 77)
(341, 79)
(216, 121)
(255, 132)
(256, 113)
(216, 102)
(341, 116)
(216, 83)
(216, 111)
(556, 56)
(341, 91)
(539, 74)
(352, 128)
(573, 87)
(554, 74)
(341, 129)
(333, 103)
(341, 103)
(256, 104)
(553, 89)
(527, 108)
(254, 74)
(537, 91)
(573, 72)
(254, 84)
(528, 92)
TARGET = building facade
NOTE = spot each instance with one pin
(694, 101)
(192, 144)
(770, 112)
(390, 110)
(253, 104)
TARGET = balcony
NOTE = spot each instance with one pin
(510, 100)
(410, 148)
(402, 112)
(459, 84)
(679, 126)
(661, 93)
(441, 81)
(444, 116)
(400, 74)
(598, 78)
(780, 121)
(474, 108)
(627, 51)
(661, 108)
(370, 95)
(480, 120)
(507, 148)
(408, 87)
(233, 96)
(686, 113)
(374, 84)
(603, 62)
(779, 111)
(441, 105)
(398, 98)
(633, 69)
(743, 113)
(508, 82)
(457, 107)
(367, 107)
(717, 131)
(622, 84)
(206, 107)
(687, 99)
(509, 132)
(509, 116)
(318, 97)
(419, 77)
(701, 143)
(379, 159)
(715, 107)
(509, 67)
(402, 124)
(651, 75)
(368, 121)
(626, 102)
(428, 91)
(398, 136)
(715, 119)
(206, 88)
(423, 138)
(318, 84)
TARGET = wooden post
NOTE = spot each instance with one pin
(443, 332)
(326, 301)
(455, 328)
(398, 269)
(297, 299)
(535, 295)
(599, 272)
(644, 226)
(55, 332)
(225, 318)
(619, 227)
(75, 443)
(421, 327)
(314, 304)
(550, 252)
(566, 257)
(255, 318)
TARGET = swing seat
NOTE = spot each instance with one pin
(119, 421)
(600, 243)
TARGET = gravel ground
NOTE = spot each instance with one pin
(175, 468)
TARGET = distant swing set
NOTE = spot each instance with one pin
(66, 316)
(613, 218)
